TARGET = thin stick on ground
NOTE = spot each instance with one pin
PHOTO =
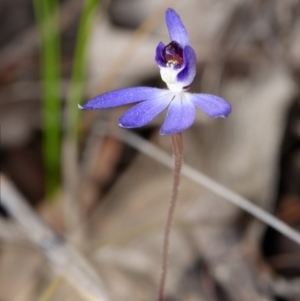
(177, 153)
(64, 258)
(196, 176)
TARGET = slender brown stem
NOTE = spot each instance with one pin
(177, 153)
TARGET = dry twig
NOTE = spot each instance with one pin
(64, 258)
(159, 155)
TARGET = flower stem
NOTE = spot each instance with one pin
(178, 157)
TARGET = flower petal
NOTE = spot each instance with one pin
(159, 58)
(145, 111)
(181, 115)
(186, 76)
(177, 31)
(122, 97)
(212, 105)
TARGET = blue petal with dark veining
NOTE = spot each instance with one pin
(122, 97)
(180, 116)
(212, 105)
(159, 58)
(145, 111)
(187, 75)
(176, 28)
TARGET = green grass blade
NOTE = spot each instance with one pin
(47, 17)
(79, 67)
(71, 178)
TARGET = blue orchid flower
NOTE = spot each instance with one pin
(177, 64)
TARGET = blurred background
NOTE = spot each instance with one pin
(89, 225)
